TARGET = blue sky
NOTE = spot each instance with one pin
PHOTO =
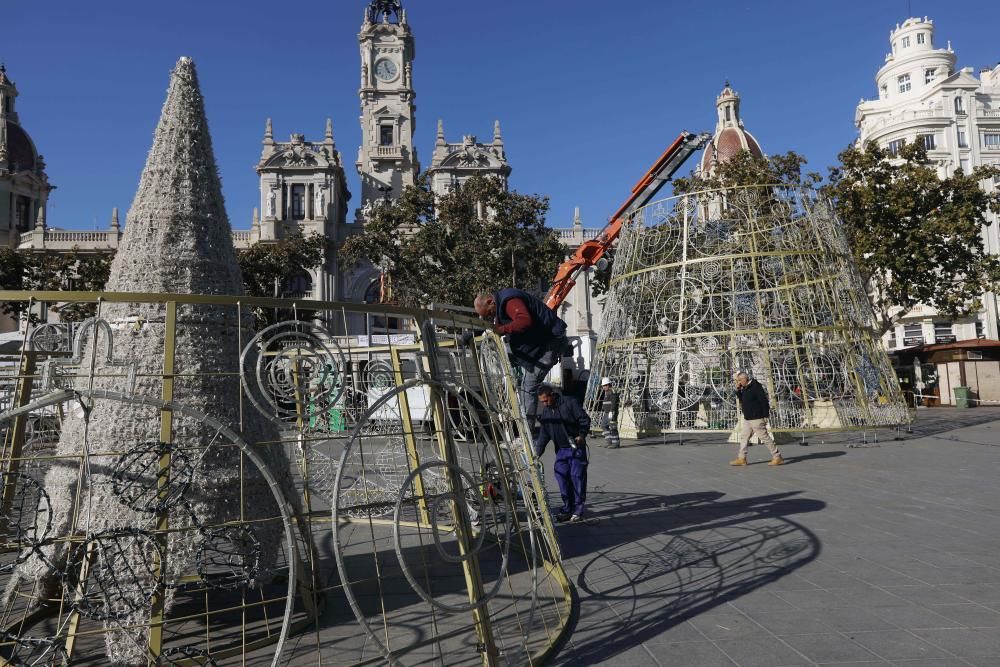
(588, 92)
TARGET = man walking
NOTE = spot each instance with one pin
(755, 407)
(609, 412)
(565, 423)
(536, 335)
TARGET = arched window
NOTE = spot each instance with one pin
(959, 105)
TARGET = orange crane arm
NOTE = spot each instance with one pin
(590, 252)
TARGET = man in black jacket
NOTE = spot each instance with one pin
(756, 409)
(565, 423)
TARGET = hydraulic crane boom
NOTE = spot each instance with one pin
(591, 251)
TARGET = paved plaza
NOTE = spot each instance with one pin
(882, 553)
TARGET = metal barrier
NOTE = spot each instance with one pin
(182, 486)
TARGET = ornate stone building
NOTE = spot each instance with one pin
(923, 96)
(454, 164)
(24, 186)
(302, 182)
(387, 158)
(303, 190)
(730, 137)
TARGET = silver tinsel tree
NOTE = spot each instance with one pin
(177, 240)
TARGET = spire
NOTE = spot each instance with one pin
(497, 137)
(115, 224)
(728, 106)
(8, 92)
(268, 132)
(329, 131)
(40, 219)
(3, 141)
(440, 135)
(255, 224)
(577, 222)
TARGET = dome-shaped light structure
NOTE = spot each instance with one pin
(757, 279)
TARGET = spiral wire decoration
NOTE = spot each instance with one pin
(755, 279)
(377, 498)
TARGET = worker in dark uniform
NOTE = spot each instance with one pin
(565, 424)
(536, 335)
(609, 413)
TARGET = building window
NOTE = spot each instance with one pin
(928, 141)
(963, 140)
(959, 105)
(728, 114)
(913, 330)
(929, 74)
(942, 329)
(895, 146)
(905, 42)
(920, 38)
(298, 202)
(991, 140)
(385, 135)
(892, 339)
(904, 83)
(964, 165)
(980, 332)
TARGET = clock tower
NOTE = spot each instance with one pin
(387, 160)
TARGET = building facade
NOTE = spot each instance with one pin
(454, 164)
(24, 185)
(303, 189)
(923, 96)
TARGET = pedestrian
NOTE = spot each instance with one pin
(565, 424)
(535, 334)
(756, 409)
(609, 413)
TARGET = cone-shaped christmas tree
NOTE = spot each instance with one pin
(177, 240)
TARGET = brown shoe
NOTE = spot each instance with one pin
(777, 461)
(738, 461)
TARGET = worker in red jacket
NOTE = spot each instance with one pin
(536, 335)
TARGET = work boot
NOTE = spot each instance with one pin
(739, 461)
(777, 461)
(576, 518)
(563, 517)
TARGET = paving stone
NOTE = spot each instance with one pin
(762, 652)
(723, 625)
(964, 642)
(830, 647)
(896, 645)
(970, 615)
(703, 654)
(914, 616)
(926, 595)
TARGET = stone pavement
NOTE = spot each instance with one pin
(878, 555)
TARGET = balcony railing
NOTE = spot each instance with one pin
(389, 151)
(66, 239)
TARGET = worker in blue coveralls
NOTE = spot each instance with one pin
(565, 423)
(536, 335)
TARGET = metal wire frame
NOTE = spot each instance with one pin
(465, 409)
(757, 279)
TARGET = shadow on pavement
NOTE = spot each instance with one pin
(817, 455)
(657, 561)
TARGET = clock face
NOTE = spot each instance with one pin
(386, 70)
